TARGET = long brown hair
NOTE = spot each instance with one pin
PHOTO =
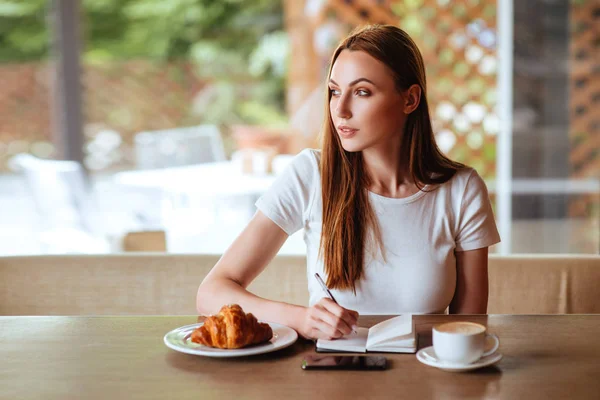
(349, 222)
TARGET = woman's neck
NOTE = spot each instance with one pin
(388, 175)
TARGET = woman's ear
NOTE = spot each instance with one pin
(413, 98)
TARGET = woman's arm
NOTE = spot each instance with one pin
(245, 259)
(471, 294)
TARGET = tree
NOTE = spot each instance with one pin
(23, 32)
(237, 44)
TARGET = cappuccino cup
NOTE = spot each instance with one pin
(462, 342)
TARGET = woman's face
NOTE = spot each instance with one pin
(366, 109)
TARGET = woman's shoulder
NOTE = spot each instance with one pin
(310, 155)
(302, 167)
(465, 180)
(464, 174)
(307, 161)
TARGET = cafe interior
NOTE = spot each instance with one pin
(137, 136)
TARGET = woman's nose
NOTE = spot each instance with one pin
(343, 110)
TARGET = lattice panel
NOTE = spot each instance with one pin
(120, 99)
(458, 43)
(25, 124)
(585, 88)
(584, 132)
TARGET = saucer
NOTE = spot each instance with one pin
(427, 356)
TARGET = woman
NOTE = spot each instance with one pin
(391, 223)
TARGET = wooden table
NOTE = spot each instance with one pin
(553, 356)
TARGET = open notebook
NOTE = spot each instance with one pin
(395, 335)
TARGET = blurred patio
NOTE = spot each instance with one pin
(184, 97)
(199, 229)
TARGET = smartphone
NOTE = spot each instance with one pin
(357, 363)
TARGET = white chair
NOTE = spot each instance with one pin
(178, 146)
(70, 221)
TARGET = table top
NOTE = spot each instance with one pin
(545, 356)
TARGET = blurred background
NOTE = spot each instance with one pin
(154, 125)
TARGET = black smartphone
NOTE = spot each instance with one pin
(357, 363)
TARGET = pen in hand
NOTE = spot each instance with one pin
(328, 292)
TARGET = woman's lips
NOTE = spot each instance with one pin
(346, 132)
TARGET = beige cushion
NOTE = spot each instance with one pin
(141, 241)
(166, 284)
(137, 283)
(544, 284)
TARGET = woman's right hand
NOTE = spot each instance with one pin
(327, 320)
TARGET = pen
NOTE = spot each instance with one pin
(326, 290)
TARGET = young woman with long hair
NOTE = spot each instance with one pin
(392, 224)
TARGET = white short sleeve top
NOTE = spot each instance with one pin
(420, 234)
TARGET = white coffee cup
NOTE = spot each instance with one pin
(462, 342)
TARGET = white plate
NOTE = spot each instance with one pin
(180, 340)
(427, 356)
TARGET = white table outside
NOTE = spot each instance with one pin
(211, 179)
(206, 206)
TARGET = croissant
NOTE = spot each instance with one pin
(232, 328)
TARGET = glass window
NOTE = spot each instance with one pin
(188, 110)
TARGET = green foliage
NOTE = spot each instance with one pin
(23, 33)
(238, 45)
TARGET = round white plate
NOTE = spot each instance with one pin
(427, 356)
(180, 340)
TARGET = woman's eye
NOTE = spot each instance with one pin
(362, 92)
(334, 92)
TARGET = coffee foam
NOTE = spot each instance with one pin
(463, 328)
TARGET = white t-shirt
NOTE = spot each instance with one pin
(420, 234)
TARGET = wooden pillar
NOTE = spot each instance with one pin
(303, 74)
(67, 112)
